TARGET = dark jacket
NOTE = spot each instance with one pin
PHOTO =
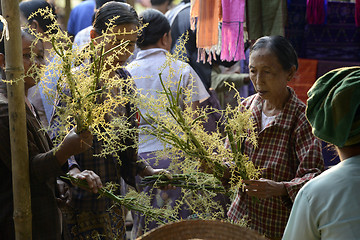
(44, 168)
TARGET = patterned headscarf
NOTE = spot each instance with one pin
(333, 107)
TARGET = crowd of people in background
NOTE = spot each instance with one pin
(296, 198)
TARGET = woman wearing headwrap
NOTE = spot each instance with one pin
(287, 152)
(328, 207)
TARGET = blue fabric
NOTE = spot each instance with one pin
(81, 17)
(295, 26)
(330, 155)
(338, 39)
(159, 198)
(325, 9)
(52, 76)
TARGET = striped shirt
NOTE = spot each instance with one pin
(288, 152)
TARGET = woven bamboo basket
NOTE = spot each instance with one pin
(201, 230)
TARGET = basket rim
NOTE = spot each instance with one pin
(197, 228)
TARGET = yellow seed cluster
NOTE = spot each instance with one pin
(92, 97)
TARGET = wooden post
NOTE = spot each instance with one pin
(131, 2)
(17, 122)
(67, 11)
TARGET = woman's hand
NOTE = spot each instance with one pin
(264, 188)
(93, 180)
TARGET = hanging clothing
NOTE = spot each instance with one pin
(265, 18)
(357, 13)
(179, 17)
(316, 11)
(232, 30)
(305, 77)
(205, 17)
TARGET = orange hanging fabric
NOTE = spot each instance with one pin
(205, 18)
(208, 24)
(194, 13)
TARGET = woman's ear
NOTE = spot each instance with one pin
(35, 25)
(292, 73)
(2, 61)
(165, 41)
(93, 34)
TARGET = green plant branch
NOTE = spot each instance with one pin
(129, 203)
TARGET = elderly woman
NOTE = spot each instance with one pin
(287, 151)
(327, 207)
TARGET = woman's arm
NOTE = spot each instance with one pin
(308, 151)
(73, 144)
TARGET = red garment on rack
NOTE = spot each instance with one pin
(315, 11)
(357, 13)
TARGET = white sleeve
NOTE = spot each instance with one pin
(302, 223)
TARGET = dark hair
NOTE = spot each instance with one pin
(99, 3)
(118, 12)
(157, 26)
(281, 47)
(29, 7)
(159, 2)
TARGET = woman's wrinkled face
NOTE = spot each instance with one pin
(123, 33)
(267, 74)
(33, 61)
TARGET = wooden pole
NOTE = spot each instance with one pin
(67, 11)
(17, 122)
(131, 2)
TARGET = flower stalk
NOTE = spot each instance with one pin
(131, 203)
(190, 138)
(188, 181)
